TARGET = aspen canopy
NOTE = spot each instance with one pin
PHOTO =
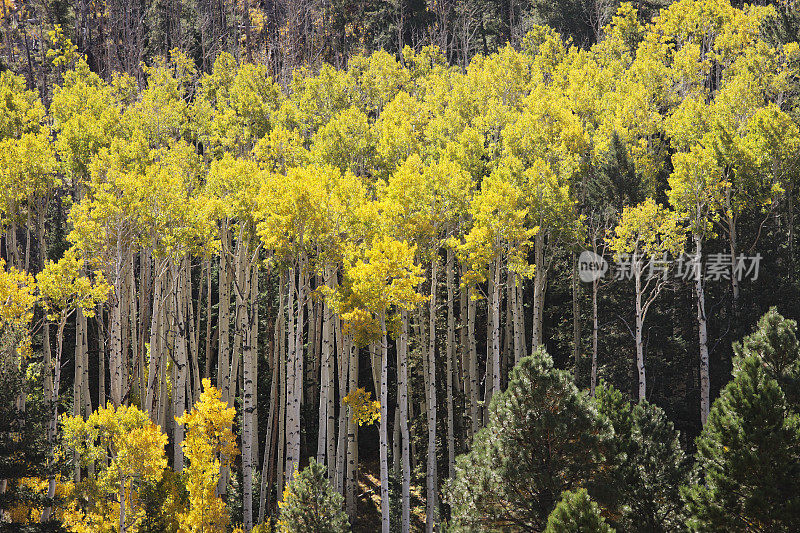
(487, 265)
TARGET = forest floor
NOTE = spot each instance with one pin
(369, 502)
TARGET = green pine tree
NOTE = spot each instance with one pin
(748, 458)
(577, 513)
(775, 343)
(543, 437)
(652, 465)
(311, 505)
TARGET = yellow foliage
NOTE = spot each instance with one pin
(363, 410)
(209, 444)
(64, 287)
(25, 513)
(17, 300)
(127, 450)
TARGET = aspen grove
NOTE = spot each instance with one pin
(352, 297)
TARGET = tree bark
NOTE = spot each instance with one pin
(705, 378)
(539, 285)
(474, 410)
(640, 370)
(431, 508)
(382, 428)
(326, 417)
(595, 338)
(451, 347)
(402, 396)
(352, 434)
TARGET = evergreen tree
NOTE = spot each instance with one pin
(652, 465)
(310, 505)
(748, 458)
(543, 437)
(775, 343)
(576, 512)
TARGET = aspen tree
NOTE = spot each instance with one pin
(127, 449)
(209, 443)
(646, 237)
(384, 279)
(235, 183)
(425, 201)
(64, 289)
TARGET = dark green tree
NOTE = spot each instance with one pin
(748, 458)
(311, 505)
(577, 513)
(23, 446)
(652, 466)
(543, 437)
(775, 343)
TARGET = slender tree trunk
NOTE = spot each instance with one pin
(266, 467)
(292, 394)
(474, 410)
(207, 353)
(595, 338)
(463, 356)
(352, 435)
(325, 400)
(734, 249)
(270, 438)
(180, 363)
(223, 322)
(705, 378)
(295, 370)
(431, 509)
(122, 483)
(155, 353)
(495, 331)
(283, 348)
(402, 395)
(193, 322)
(451, 348)
(382, 428)
(79, 392)
(539, 284)
(642, 382)
(53, 422)
(341, 441)
(115, 355)
(223, 335)
(576, 319)
(375, 366)
(101, 355)
(250, 392)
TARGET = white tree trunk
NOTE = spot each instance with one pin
(576, 319)
(402, 396)
(705, 378)
(382, 428)
(495, 330)
(431, 509)
(351, 482)
(53, 421)
(474, 409)
(180, 364)
(451, 348)
(249, 391)
(326, 417)
(539, 285)
(642, 382)
(292, 394)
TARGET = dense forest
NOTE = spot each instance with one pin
(402, 265)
